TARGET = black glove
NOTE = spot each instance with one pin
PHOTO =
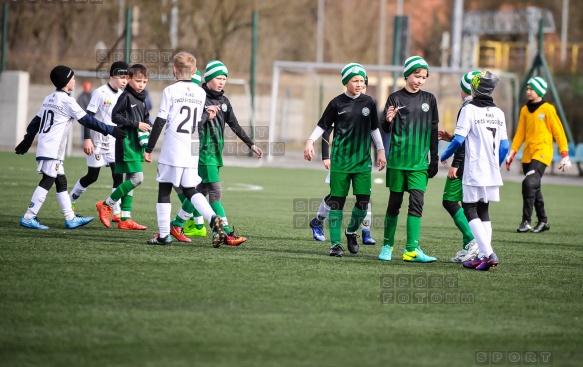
(118, 133)
(23, 147)
(433, 168)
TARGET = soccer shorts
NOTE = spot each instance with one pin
(208, 173)
(453, 190)
(400, 180)
(128, 167)
(51, 167)
(473, 194)
(177, 176)
(340, 183)
(100, 159)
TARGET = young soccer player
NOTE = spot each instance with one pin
(317, 223)
(538, 125)
(181, 108)
(412, 120)
(482, 127)
(452, 193)
(52, 123)
(211, 149)
(131, 114)
(354, 120)
(100, 149)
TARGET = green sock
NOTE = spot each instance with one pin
(390, 229)
(335, 223)
(196, 214)
(356, 219)
(187, 207)
(182, 197)
(220, 211)
(122, 190)
(126, 206)
(413, 229)
(461, 223)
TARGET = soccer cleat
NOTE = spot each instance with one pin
(417, 256)
(190, 229)
(116, 218)
(524, 227)
(232, 239)
(488, 262)
(130, 225)
(78, 221)
(471, 264)
(178, 233)
(32, 223)
(218, 231)
(336, 251)
(104, 213)
(468, 253)
(541, 227)
(164, 241)
(317, 230)
(386, 253)
(352, 240)
(367, 238)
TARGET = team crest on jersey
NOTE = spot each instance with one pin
(365, 111)
(56, 167)
(31, 205)
(541, 116)
(107, 103)
(224, 107)
(97, 157)
(425, 107)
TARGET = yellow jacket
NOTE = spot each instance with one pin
(537, 130)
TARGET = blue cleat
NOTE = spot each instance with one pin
(317, 230)
(32, 223)
(367, 238)
(417, 256)
(78, 221)
(386, 253)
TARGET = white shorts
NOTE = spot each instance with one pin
(327, 180)
(100, 159)
(473, 194)
(178, 176)
(51, 168)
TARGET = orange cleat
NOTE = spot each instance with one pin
(116, 218)
(130, 225)
(104, 213)
(233, 240)
(178, 233)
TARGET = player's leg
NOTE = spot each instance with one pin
(452, 195)
(366, 225)
(185, 212)
(339, 186)
(395, 181)
(317, 223)
(539, 204)
(530, 184)
(204, 208)
(83, 183)
(117, 179)
(195, 225)
(416, 183)
(163, 212)
(126, 222)
(361, 188)
(29, 219)
(71, 220)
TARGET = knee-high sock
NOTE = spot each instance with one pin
(120, 191)
(77, 191)
(117, 205)
(335, 224)
(126, 205)
(65, 203)
(390, 229)
(481, 236)
(220, 210)
(488, 228)
(185, 212)
(356, 219)
(36, 202)
(163, 213)
(461, 223)
(413, 229)
(202, 206)
(323, 210)
(366, 223)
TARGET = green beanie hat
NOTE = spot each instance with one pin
(466, 82)
(197, 78)
(413, 63)
(351, 70)
(213, 69)
(539, 85)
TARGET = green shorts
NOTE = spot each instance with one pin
(453, 190)
(128, 167)
(340, 183)
(208, 173)
(400, 180)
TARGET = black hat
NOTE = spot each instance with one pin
(60, 75)
(483, 84)
(119, 68)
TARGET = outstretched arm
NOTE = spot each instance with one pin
(31, 131)
(457, 142)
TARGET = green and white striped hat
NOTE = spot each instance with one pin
(413, 63)
(213, 69)
(539, 85)
(197, 78)
(351, 70)
(466, 82)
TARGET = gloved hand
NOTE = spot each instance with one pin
(23, 147)
(510, 158)
(565, 162)
(118, 133)
(433, 168)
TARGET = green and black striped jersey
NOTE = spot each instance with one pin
(352, 120)
(413, 131)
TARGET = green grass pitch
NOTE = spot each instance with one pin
(98, 297)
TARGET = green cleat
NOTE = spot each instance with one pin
(417, 256)
(386, 253)
(190, 229)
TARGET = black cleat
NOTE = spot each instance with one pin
(541, 227)
(352, 239)
(336, 251)
(524, 227)
(219, 234)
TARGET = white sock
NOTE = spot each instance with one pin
(225, 221)
(202, 206)
(323, 210)
(199, 220)
(163, 212)
(117, 206)
(184, 215)
(481, 236)
(126, 214)
(488, 228)
(65, 202)
(77, 191)
(36, 202)
(366, 221)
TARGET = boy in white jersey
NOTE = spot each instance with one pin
(181, 108)
(52, 123)
(482, 126)
(100, 149)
